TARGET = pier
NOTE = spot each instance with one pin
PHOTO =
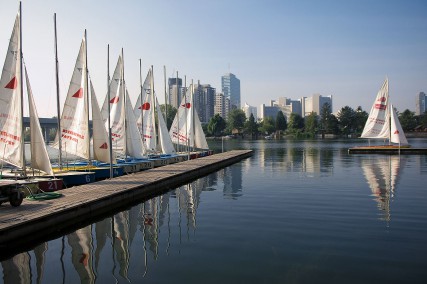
(36, 220)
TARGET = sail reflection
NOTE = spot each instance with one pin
(101, 252)
(382, 174)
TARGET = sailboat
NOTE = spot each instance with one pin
(127, 142)
(73, 134)
(156, 138)
(384, 124)
(186, 129)
(11, 127)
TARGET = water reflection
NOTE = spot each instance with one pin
(382, 174)
(311, 161)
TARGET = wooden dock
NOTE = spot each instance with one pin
(37, 220)
(387, 150)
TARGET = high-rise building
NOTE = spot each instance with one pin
(314, 104)
(231, 89)
(204, 101)
(420, 103)
(222, 105)
(175, 91)
(248, 110)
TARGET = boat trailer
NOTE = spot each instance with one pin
(11, 191)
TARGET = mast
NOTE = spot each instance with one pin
(140, 100)
(58, 108)
(153, 117)
(186, 114)
(177, 111)
(110, 142)
(124, 100)
(166, 98)
(24, 169)
(87, 99)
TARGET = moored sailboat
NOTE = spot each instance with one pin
(383, 123)
(11, 123)
(186, 128)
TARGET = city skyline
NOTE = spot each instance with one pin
(276, 48)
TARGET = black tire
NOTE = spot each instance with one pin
(16, 198)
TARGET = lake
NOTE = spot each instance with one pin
(297, 211)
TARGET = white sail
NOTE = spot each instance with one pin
(138, 109)
(74, 119)
(101, 150)
(377, 124)
(117, 111)
(39, 157)
(186, 124)
(179, 131)
(199, 136)
(10, 103)
(135, 147)
(148, 121)
(396, 132)
(165, 141)
(114, 88)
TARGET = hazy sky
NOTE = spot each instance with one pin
(276, 48)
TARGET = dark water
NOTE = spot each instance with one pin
(295, 212)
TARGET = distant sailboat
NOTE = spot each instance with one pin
(383, 119)
(383, 123)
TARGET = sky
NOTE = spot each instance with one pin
(277, 48)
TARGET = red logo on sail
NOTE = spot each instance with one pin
(380, 106)
(104, 146)
(12, 84)
(396, 132)
(114, 100)
(145, 106)
(187, 105)
(78, 94)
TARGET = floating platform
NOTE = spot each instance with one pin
(387, 150)
(35, 221)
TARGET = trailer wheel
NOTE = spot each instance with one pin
(16, 198)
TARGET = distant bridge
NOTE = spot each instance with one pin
(47, 124)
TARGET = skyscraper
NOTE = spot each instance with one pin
(175, 92)
(204, 101)
(420, 103)
(231, 89)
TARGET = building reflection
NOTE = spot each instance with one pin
(382, 174)
(310, 161)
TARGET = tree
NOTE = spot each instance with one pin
(251, 126)
(281, 121)
(407, 120)
(311, 123)
(216, 125)
(361, 117)
(347, 120)
(236, 120)
(171, 112)
(267, 126)
(296, 123)
(328, 121)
